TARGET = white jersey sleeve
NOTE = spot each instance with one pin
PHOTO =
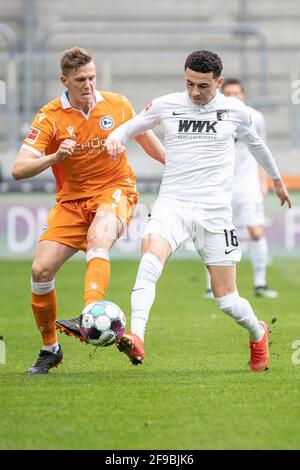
(259, 123)
(147, 119)
(256, 145)
(246, 183)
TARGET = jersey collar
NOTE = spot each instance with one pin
(65, 99)
(211, 105)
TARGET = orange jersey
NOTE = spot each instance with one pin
(90, 169)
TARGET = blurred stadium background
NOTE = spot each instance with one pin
(139, 48)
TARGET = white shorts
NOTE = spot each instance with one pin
(248, 213)
(178, 222)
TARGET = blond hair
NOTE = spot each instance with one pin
(73, 58)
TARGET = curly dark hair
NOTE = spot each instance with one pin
(205, 62)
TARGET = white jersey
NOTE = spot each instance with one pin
(199, 146)
(199, 143)
(246, 182)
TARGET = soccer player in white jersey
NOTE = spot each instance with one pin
(249, 187)
(194, 201)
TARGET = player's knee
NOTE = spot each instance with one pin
(161, 250)
(256, 233)
(93, 242)
(41, 272)
(256, 236)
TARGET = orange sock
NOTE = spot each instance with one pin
(44, 309)
(96, 280)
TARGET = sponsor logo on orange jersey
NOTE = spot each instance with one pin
(92, 147)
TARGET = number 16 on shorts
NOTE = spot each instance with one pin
(231, 241)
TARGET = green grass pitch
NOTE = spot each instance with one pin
(195, 390)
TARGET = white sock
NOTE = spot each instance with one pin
(259, 260)
(52, 348)
(208, 279)
(143, 292)
(42, 287)
(241, 311)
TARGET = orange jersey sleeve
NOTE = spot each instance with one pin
(42, 130)
(90, 169)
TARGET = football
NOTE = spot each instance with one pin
(102, 323)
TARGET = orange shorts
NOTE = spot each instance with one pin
(68, 222)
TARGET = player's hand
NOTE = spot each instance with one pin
(66, 149)
(114, 148)
(282, 193)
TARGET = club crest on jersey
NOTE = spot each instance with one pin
(222, 114)
(33, 134)
(106, 122)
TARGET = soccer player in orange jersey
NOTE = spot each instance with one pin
(96, 194)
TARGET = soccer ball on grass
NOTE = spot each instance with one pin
(102, 323)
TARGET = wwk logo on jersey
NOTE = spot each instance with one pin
(197, 126)
(106, 122)
(33, 134)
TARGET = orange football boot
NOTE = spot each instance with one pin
(133, 346)
(259, 351)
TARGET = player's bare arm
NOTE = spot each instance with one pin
(28, 164)
(152, 146)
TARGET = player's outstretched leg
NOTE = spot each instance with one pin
(142, 298)
(95, 288)
(46, 360)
